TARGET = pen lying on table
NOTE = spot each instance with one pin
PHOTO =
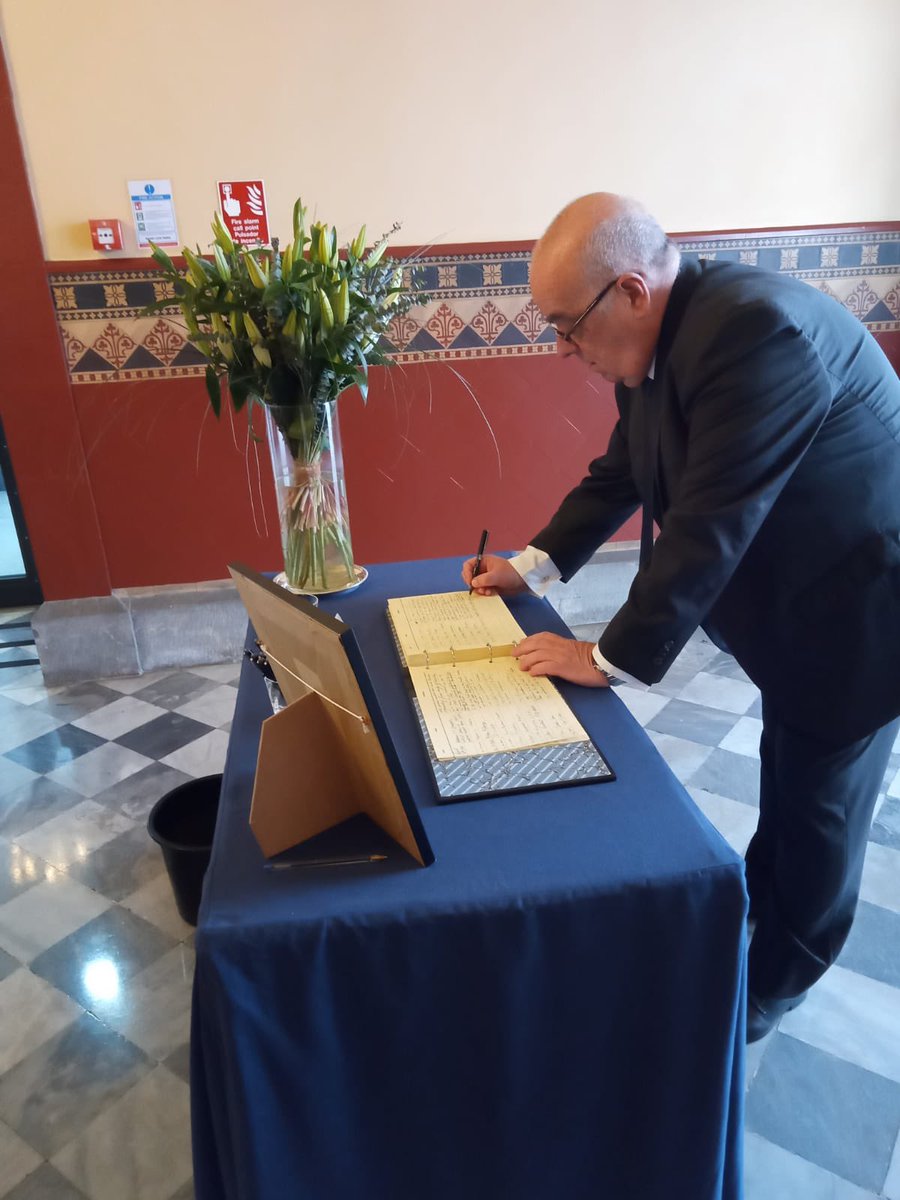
(325, 862)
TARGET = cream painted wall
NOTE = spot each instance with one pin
(468, 121)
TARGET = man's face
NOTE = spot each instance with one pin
(615, 340)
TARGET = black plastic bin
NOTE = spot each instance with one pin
(182, 824)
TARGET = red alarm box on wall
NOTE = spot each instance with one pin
(106, 235)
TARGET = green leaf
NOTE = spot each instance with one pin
(214, 387)
(163, 259)
(241, 388)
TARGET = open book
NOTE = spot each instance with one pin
(475, 698)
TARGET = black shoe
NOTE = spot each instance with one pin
(764, 1015)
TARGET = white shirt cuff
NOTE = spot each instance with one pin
(616, 672)
(537, 568)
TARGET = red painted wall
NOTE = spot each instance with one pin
(36, 400)
(180, 494)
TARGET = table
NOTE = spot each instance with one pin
(553, 1011)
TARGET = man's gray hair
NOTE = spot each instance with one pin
(631, 241)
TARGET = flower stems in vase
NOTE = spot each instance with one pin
(308, 467)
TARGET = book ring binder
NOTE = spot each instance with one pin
(490, 650)
(452, 656)
(427, 663)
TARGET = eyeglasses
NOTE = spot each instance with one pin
(567, 337)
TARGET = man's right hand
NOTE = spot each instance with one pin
(496, 577)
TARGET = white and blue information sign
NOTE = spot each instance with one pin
(153, 211)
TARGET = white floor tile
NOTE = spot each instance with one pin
(133, 683)
(13, 776)
(122, 1153)
(153, 1009)
(881, 877)
(71, 836)
(24, 725)
(683, 757)
(735, 821)
(33, 1012)
(45, 914)
(643, 706)
(99, 769)
(156, 904)
(852, 1017)
(16, 679)
(771, 1173)
(220, 672)
(205, 756)
(212, 708)
(718, 691)
(744, 737)
(17, 1159)
(120, 717)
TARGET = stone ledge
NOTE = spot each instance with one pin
(136, 630)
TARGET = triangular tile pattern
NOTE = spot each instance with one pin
(479, 304)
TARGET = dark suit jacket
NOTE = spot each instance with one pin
(777, 492)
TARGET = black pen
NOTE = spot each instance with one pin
(481, 546)
(323, 862)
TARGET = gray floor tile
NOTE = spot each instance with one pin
(873, 947)
(696, 722)
(31, 805)
(825, 1110)
(727, 774)
(77, 701)
(54, 749)
(886, 826)
(163, 735)
(8, 964)
(179, 1062)
(56, 1091)
(175, 689)
(121, 866)
(45, 1183)
(115, 945)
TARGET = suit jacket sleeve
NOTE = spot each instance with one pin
(593, 510)
(759, 394)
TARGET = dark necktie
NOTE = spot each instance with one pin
(651, 451)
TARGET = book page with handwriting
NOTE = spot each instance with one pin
(489, 707)
(452, 626)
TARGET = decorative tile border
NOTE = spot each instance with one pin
(479, 306)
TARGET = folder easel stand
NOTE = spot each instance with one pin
(328, 781)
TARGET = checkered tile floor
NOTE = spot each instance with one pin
(95, 964)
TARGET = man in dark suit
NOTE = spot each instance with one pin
(759, 424)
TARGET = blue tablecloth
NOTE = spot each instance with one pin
(553, 1011)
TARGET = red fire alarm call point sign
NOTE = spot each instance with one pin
(243, 206)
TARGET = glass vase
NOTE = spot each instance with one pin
(308, 466)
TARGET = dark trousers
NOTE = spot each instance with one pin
(804, 863)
